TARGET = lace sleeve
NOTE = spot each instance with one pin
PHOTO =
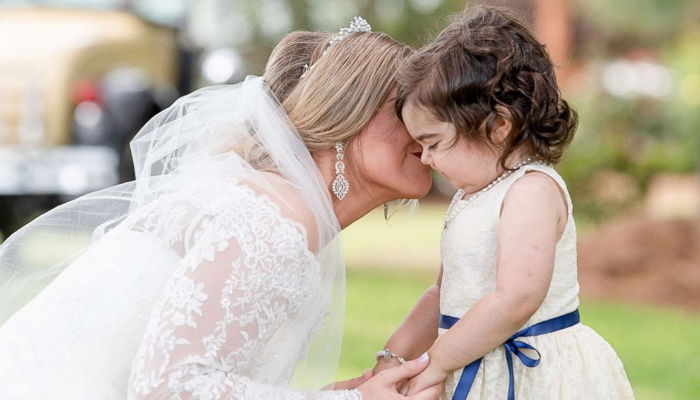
(242, 275)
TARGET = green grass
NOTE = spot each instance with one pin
(377, 301)
(660, 348)
(389, 266)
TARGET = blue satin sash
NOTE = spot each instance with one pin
(512, 346)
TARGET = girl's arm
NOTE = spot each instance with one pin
(533, 215)
(418, 330)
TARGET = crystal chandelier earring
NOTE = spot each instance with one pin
(340, 185)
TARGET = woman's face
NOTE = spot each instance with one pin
(386, 159)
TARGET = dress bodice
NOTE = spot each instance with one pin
(469, 249)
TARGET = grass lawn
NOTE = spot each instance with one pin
(659, 347)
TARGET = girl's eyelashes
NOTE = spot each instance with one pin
(433, 146)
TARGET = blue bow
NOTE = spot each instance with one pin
(512, 346)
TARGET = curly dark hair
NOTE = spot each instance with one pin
(486, 64)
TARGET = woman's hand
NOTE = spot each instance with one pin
(384, 365)
(351, 383)
(430, 377)
(385, 385)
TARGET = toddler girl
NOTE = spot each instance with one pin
(502, 320)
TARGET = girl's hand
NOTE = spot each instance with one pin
(430, 377)
(385, 385)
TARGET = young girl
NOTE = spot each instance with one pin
(483, 102)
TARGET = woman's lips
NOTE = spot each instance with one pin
(418, 154)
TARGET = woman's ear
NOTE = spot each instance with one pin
(502, 126)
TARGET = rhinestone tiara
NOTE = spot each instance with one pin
(357, 25)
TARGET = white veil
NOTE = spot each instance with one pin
(231, 131)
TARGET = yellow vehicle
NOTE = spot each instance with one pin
(77, 80)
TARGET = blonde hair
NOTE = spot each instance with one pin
(338, 97)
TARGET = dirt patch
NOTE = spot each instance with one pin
(644, 260)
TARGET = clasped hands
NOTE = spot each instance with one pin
(417, 379)
(431, 376)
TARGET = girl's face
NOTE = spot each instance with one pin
(387, 160)
(468, 166)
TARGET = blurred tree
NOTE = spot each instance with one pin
(615, 27)
(553, 27)
(636, 135)
(300, 15)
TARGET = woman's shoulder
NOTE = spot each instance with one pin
(276, 192)
(226, 205)
(256, 198)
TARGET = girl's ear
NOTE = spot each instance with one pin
(502, 126)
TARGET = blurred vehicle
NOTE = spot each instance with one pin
(78, 78)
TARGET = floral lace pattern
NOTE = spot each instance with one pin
(576, 362)
(245, 271)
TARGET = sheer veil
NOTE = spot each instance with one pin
(228, 132)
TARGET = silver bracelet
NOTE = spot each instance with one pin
(386, 355)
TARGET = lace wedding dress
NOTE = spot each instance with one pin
(221, 278)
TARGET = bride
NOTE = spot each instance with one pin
(218, 272)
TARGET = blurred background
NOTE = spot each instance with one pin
(79, 77)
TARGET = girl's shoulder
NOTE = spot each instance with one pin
(539, 180)
(538, 188)
(537, 185)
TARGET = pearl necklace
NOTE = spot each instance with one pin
(456, 206)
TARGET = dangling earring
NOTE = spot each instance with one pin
(386, 211)
(340, 185)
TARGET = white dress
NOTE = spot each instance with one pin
(576, 363)
(207, 314)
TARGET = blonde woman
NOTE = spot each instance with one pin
(218, 272)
